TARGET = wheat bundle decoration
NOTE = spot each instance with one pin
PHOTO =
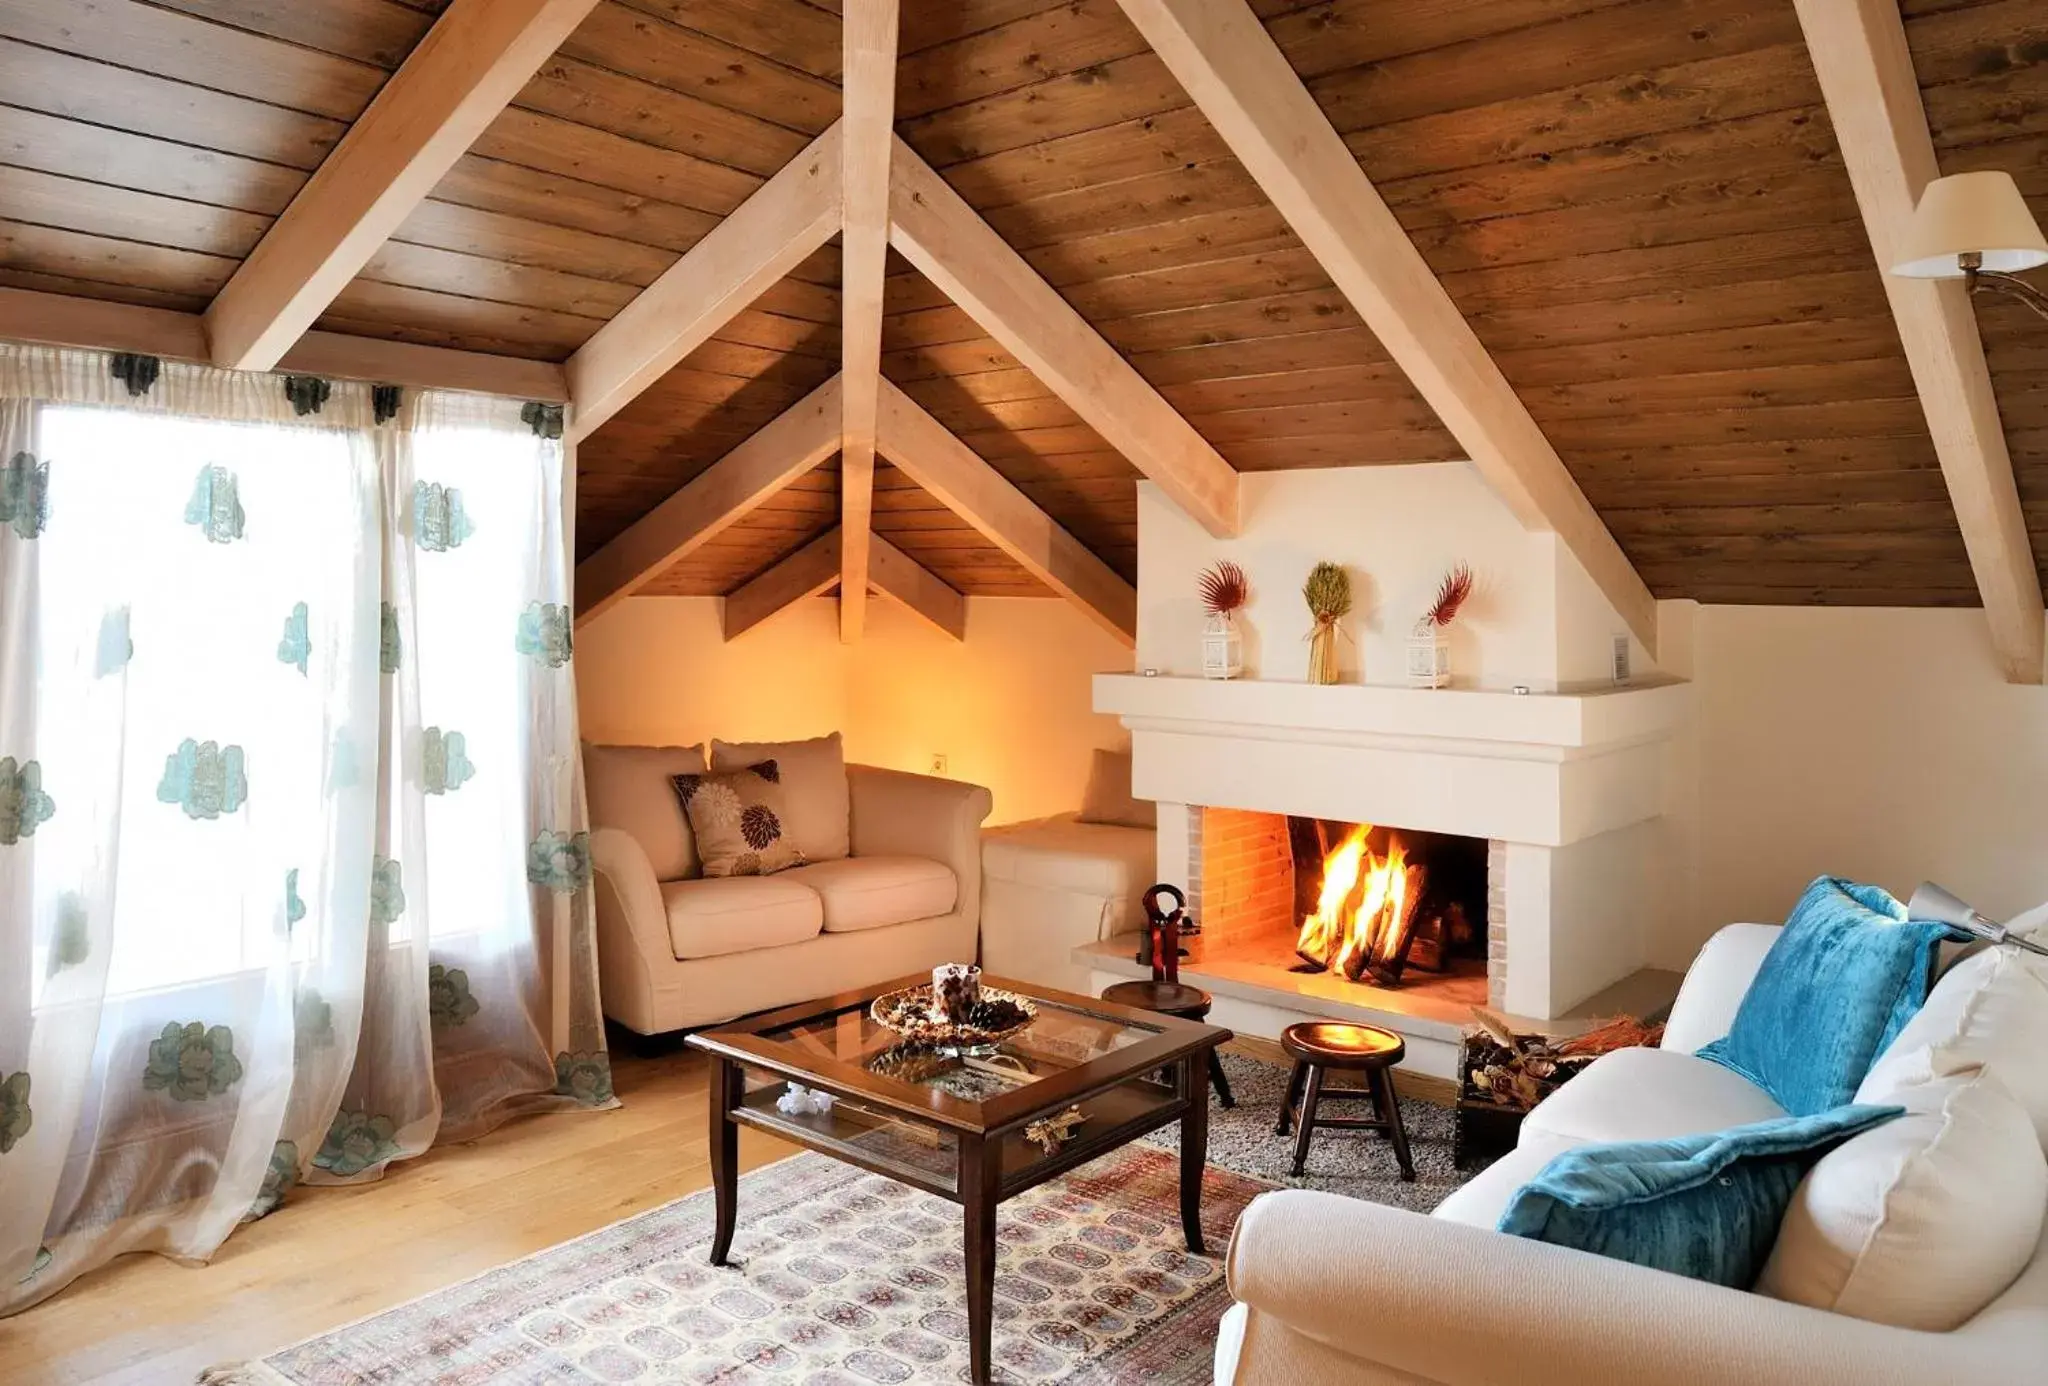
(1328, 594)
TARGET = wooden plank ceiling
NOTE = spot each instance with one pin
(1637, 203)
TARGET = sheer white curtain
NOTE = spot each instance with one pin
(292, 874)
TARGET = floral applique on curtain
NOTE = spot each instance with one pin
(559, 861)
(297, 645)
(387, 891)
(546, 633)
(444, 760)
(439, 522)
(15, 1117)
(294, 907)
(312, 1019)
(116, 645)
(25, 495)
(355, 1141)
(279, 1179)
(585, 1075)
(71, 939)
(23, 804)
(41, 1263)
(216, 505)
(204, 778)
(390, 651)
(192, 1062)
(449, 1002)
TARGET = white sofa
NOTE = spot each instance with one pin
(688, 951)
(1051, 885)
(1333, 1290)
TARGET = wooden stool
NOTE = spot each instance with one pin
(1321, 1045)
(1174, 999)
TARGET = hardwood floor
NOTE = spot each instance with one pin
(331, 1256)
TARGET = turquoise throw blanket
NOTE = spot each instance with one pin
(1846, 974)
(1705, 1206)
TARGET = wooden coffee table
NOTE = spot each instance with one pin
(956, 1127)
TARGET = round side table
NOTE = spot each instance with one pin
(1317, 1046)
(1174, 999)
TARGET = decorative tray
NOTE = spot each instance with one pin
(913, 1014)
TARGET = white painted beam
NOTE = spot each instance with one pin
(962, 255)
(926, 452)
(1866, 74)
(898, 575)
(764, 238)
(798, 439)
(869, 82)
(809, 572)
(463, 73)
(1243, 84)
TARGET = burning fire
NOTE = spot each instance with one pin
(1365, 909)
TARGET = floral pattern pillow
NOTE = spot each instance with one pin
(738, 820)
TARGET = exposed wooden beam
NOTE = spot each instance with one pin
(932, 457)
(810, 571)
(798, 439)
(455, 82)
(911, 583)
(868, 56)
(95, 325)
(764, 238)
(963, 256)
(1866, 75)
(1244, 85)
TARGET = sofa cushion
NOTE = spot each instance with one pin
(1649, 1095)
(1843, 978)
(1480, 1200)
(628, 788)
(1705, 1206)
(871, 892)
(1064, 853)
(813, 777)
(1108, 798)
(735, 914)
(740, 821)
(1921, 1223)
(1989, 1011)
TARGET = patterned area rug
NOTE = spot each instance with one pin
(844, 1279)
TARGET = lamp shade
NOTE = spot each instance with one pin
(1965, 213)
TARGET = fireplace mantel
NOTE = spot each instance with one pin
(1542, 768)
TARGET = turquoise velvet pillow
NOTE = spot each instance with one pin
(1844, 977)
(1705, 1206)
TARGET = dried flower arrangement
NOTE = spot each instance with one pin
(1224, 588)
(1451, 595)
(1328, 594)
(1429, 653)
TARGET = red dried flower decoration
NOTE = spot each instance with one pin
(1224, 588)
(1450, 596)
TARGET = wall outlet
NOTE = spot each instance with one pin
(1621, 659)
(938, 764)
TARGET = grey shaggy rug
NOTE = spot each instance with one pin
(1359, 1164)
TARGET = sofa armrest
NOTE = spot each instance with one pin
(896, 814)
(1715, 984)
(1466, 1306)
(632, 926)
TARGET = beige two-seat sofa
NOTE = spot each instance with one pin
(677, 950)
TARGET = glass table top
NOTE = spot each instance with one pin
(1058, 1039)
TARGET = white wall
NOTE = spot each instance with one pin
(1535, 617)
(1880, 744)
(1008, 708)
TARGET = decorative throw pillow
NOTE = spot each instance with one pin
(1109, 800)
(1705, 1206)
(1924, 1222)
(1845, 975)
(814, 784)
(738, 820)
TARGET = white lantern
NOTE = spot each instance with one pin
(1429, 656)
(1222, 647)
